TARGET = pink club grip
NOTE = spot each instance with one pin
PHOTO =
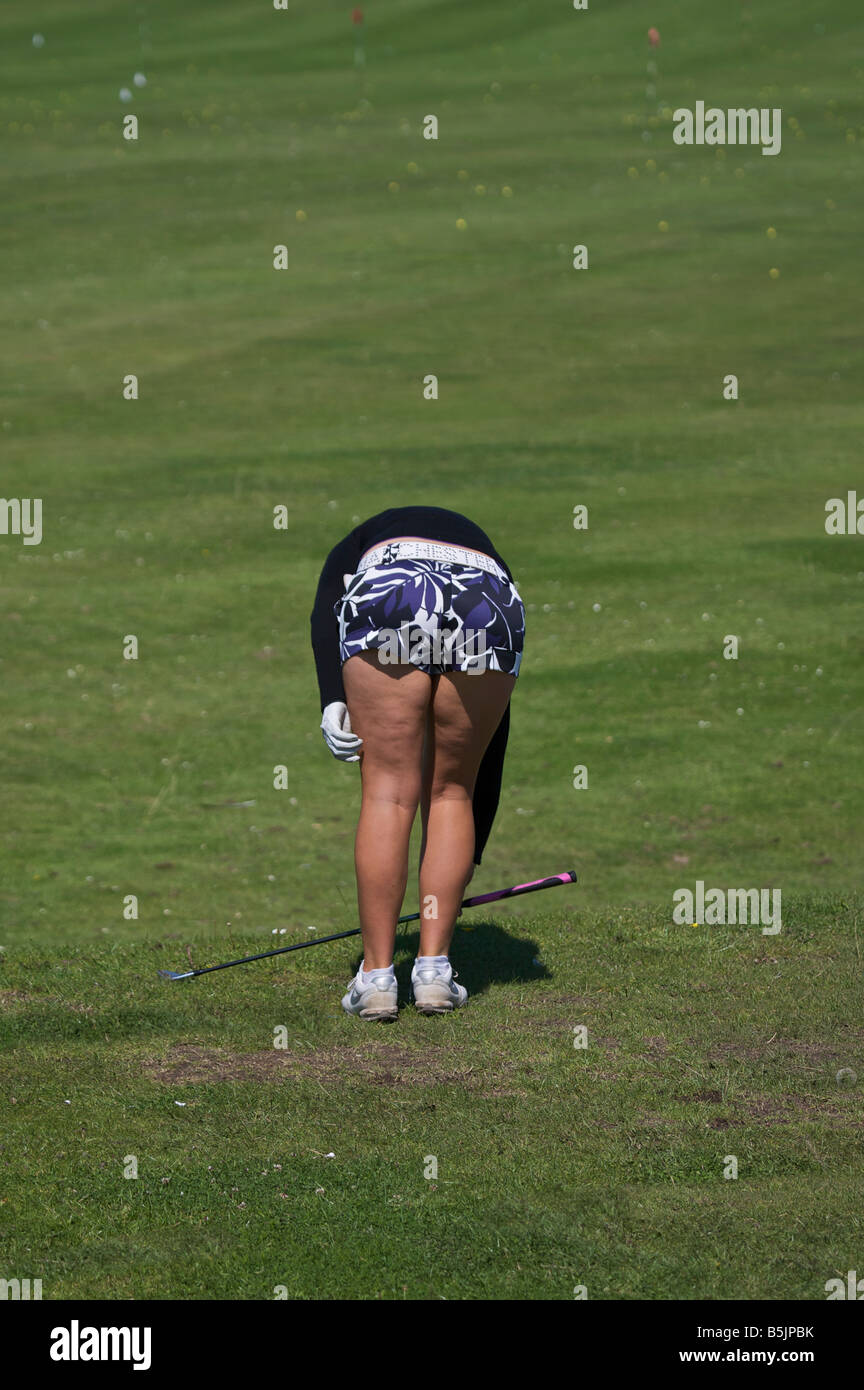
(533, 887)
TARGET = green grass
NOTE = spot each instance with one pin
(304, 388)
(557, 1165)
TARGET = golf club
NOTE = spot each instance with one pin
(534, 887)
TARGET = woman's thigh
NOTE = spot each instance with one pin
(466, 710)
(389, 706)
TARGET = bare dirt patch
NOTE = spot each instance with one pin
(9, 998)
(785, 1110)
(385, 1065)
(556, 1010)
(772, 1049)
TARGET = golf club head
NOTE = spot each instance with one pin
(173, 974)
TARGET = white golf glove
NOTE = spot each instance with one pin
(336, 728)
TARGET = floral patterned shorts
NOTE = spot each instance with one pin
(435, 616)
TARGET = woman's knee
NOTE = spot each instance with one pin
(452, 788)
(399, 788)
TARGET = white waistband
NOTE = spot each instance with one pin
(393, 551)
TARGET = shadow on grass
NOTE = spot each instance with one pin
(482, 954)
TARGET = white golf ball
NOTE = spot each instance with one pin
(140, 80)
(125, 94)
(38, 40)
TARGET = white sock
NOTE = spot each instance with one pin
(440, 962)
(367, 976)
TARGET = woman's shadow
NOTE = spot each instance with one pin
(482, 954)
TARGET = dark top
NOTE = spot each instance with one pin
(426, 523)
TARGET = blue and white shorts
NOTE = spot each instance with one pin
(434, 615)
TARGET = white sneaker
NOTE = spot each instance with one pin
(375, 1000)
(435, 990)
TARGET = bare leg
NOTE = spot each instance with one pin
(426, 786)
(466, 711)
(388, 707)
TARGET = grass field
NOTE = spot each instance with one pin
(257, 388)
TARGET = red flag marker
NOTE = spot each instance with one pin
(359, 50)
(654, 37)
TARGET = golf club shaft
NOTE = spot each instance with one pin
(517, 891)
